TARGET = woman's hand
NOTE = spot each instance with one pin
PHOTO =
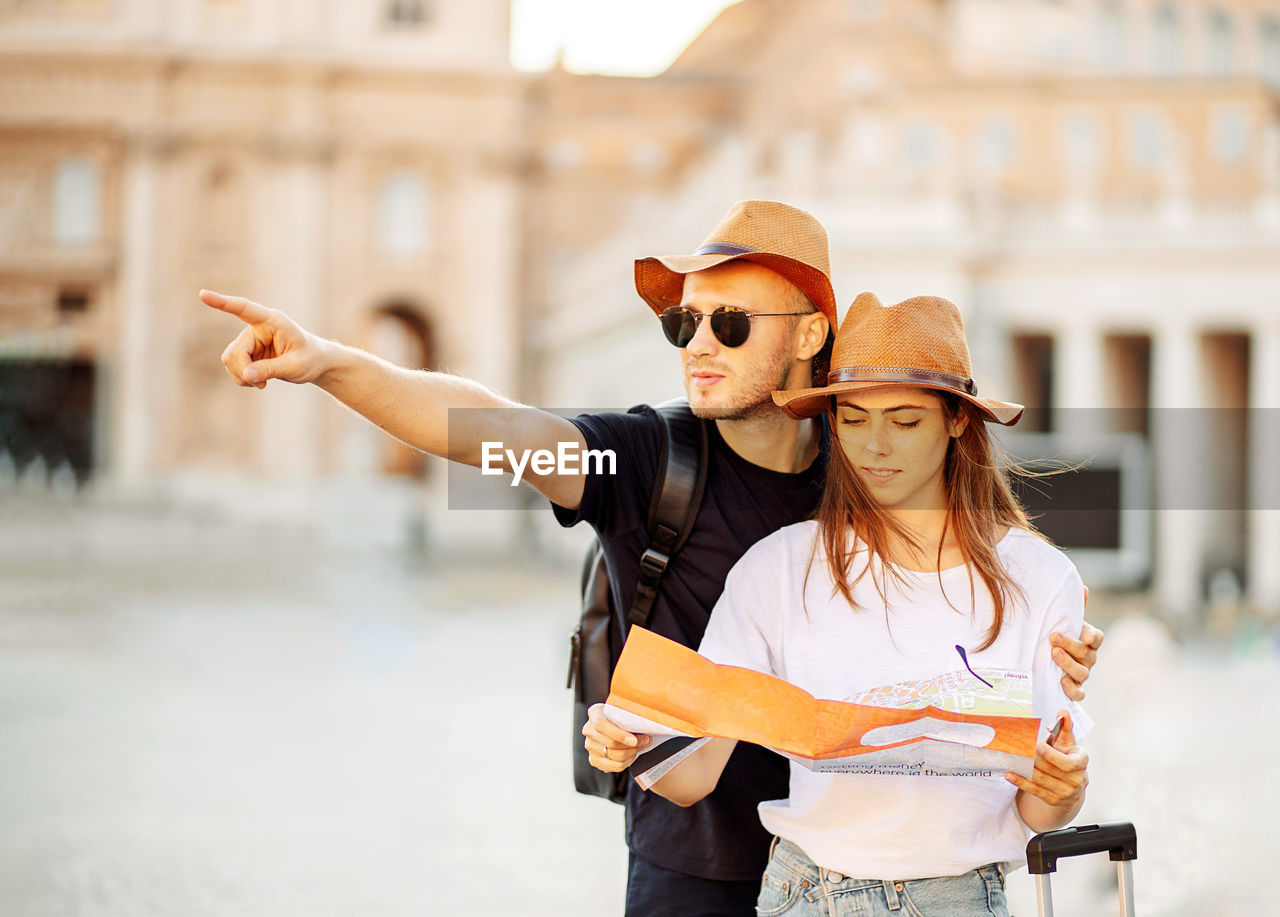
(610, 748)
(1076, 658)
(1055, 792)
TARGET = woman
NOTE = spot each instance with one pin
(918, 546)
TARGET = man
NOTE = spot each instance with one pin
(751, 311)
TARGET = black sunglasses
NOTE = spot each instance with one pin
(730, 325)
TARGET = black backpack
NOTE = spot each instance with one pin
(596, 643)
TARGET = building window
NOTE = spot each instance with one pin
(1166, 40)
(224, 209)
(72, 301)
(407, 13)
(1229, 133)
(995, 146)
(1269, 49)
(404, 214)
(563, 155)
(1218, 44)
(1148, 138)
(1080, 137)
(649, 157)
(1112, 36)
(922, 144)
(403, 335)
(76, 201)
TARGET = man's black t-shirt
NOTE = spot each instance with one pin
(720, 837)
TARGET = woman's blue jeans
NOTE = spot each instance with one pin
(794, 886)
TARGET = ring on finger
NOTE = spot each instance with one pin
(604, 751)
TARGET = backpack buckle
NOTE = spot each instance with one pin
(653, 563)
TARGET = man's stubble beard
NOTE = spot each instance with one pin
(757, 401)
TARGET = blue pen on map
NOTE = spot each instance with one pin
(965, 659)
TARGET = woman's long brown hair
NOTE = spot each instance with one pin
(981, 507)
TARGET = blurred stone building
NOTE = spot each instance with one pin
(1095, 182)
(359, 164)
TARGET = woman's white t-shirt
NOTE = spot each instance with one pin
(895, 827)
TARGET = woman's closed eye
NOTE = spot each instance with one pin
(861, 421)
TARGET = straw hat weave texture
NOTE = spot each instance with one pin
(918, 342)
(785, 239)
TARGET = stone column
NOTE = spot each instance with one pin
(486, 339)
(1263, 494)
(486, 233)
(1177, 459)
(1078, 391)
(989, 349)
(293, 276)
(136, 408)
(1266, 207)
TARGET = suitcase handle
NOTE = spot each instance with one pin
(1119, 839)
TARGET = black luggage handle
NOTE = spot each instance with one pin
(1119, 839)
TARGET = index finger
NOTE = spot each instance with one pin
(244, 309)
(601, 729)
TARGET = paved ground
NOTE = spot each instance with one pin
(198, 719)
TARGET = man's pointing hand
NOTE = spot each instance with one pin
(270, 346)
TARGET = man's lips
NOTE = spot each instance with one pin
(704, 378)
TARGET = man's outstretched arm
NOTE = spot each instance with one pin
(411, 405)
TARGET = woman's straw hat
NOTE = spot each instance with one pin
(784, 239)
(918, 342)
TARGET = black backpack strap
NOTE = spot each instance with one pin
(677, 494)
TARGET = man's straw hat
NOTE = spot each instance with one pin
(784, 239)
(919, 343)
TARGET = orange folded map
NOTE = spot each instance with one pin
(954, 724)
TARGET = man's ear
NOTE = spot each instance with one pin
(811, 334)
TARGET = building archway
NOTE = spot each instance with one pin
(400, 332)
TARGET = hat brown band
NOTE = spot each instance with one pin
(902, 374)
(726, 248)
